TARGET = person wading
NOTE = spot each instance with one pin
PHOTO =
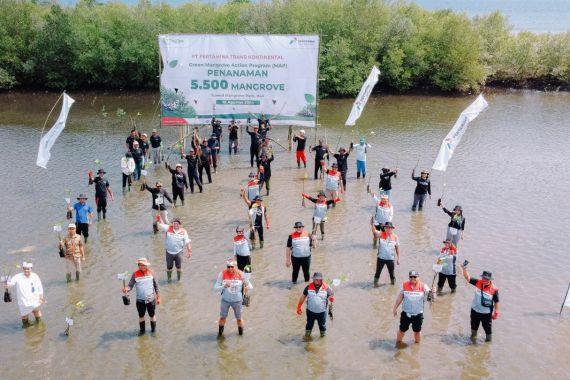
(214, 145)
(333, 182)
(193, 162)
(101, 189)
(147, 295)
(318, 295)
(485, 304)
(321, 152)
(242, 249)
(385, 185)
(83, 216)
(74, 252)
(412, 297)
(342, 162)
(298, 252)
(128, 168)
(179, 182)
(320, 214)
(264, 172)
(388, 251)
(138, 156)
(447, 259)
(29, 292)
(360, 152)
(252, 187)
(234, 137)
(456, 224)
(177, 241)
(155, 147)
(301, 141)
(423, 188)
(257, 214)
(158, 196)
(254, 146)
(232, 285)
(383, 213)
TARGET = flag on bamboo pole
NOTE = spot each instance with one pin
(49, 138)
(363, 96)
(454, 136)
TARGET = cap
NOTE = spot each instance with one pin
(101, 171)
(334, 165)
(389, 225)
(158, 184)
(135, 142)
(424, 172)
(298, 224)
(322, 194)
(214, 135)
(458, 207)
(385, 170)
(487, 275)
(230, 263)
(251, 175)
(27, 265)
(317, 276)
(447, 241)
(154, 131)
(362, 140)
(413, 273)
(143, 261)
(82, 196)
(257, 198)
(178, 165)
(71, 225)
(302, 131)
(145, 135)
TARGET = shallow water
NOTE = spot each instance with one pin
(510, 174)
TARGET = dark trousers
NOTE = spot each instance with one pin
(264, 181)
(215, 161)
(138, 169)
(343, 177)
(194, 176)
(127, 179)
(243, 261)
(484, 319)
(259, 230)
(101, 204)
(450, 279)
(143, 307)
(233, 143)
(254, 152)
(318, 167)
(177, 192)
(298, 263)
(321, 319)
(205, 166)
(419, 200)
(380, 265)
(83, 228)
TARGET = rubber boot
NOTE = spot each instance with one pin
(240, 330)
(152, 326)
(142, 328)
(453, 290)
(357, 175)
(85, 239)
(261, 244)
(38, 320)
(473, 335)
(413, 208)
(169, 275)
(439, 290)
(322, 236)
(77, 275)
(220, 331)
(178, 274)
(376, 285)
(489, 338)
(104, 215)
(393, 280)
(68, 277)
(155, 227)
(25, 323)
(307, 334)
(420, 208)
(98, 215)
(323, 334)
(374, 243)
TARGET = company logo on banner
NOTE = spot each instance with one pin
(239, 77)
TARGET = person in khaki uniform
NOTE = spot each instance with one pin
(74, 253)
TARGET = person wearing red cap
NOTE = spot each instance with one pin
(485, 304)
(232, 285)
(147, 295)
(318, 295)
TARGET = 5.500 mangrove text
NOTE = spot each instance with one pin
(215, 84)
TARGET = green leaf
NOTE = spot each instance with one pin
(309, 98)
(172, 64)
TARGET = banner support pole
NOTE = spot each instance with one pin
(564, 301)
(159, 86)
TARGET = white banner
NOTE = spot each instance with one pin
(229, 76)
(49, 138)
(454, 136)
(363, 96)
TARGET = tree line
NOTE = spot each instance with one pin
(114, 46)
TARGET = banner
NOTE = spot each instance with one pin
(363, 96)
(454, 136)
(231, 76)
(49, 138)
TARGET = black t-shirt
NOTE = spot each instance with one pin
(266, 167)
(386, 181)
(423, 186)
(217, 129)
(101, 185)
(130, 141)
(178, 179)
(320, 152)
(155, 141)
(300, 143)
(234, 132)
(138, 154)
(206, 152)
(143, 145)
(192, 161)
(255, 138)
(341, 160)
(213, 143)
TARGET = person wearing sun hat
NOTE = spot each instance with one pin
(83, 216)
(318, 295)
(74, 252)
(102, 187)
(388, 250)
(298, 252)
(485, 304)
(257, 215)
(147, 294)
(29, 292)
(456, 226)
(232, 285)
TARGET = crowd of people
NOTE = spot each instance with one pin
(234, 282)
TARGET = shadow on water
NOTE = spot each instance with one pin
(280, 284)
(291, 340)
(118, 335)
(11, 327)
(454, 339)
(363, 285)
(388, 345)
(208, 337)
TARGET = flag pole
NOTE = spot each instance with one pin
(564, 301)
(49, 114)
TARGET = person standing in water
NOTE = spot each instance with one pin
(138, 156)
(101, 189)
(383, 213)
(321, 152)
(234, 137)
(423, 188)
(83, 216)
(320, 214)
(74, 252)
(128, 168)
(242, 249)
(214, 145)
(447, 259)
(456, 224)
(193, 162)
(301, 141)
(264, 172)
(333, 182)
(147, 295)
(385, 185)
(254, 146)
(29, 292)
(177, 241)
(179, 182)
(318, 295)
(298, 252)
(412, 298)
(388, 251)
(155, 147)
(342, 162)
(257, 214)
(232, 285)
(158, 196)
(360, 151)
(252, 188)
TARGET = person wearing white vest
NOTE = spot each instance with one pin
(128, 168)
(412, 298)
(298, 252)
(388, 251)
(146, 291)
(29, 292)
(242, 249)
(177, 241)
(320, 214)
(383, 213)
(318, 295)
(333, 182)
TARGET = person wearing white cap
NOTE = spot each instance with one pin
(383, 213)
(74, 252)
(30, 293)
(232, 283)
(300, 151)
(179, 182)
(147, 294)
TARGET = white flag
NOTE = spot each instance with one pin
(363, 96)
(454, 136)
(567, 299)
(49, 138)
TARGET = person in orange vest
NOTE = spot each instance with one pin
(388, 250)
(177, 241)
(252, 188)
(242, 249)
(318, 295)
(320, 215)
(333, 182)
(412, 297)
(383, 213)
(485, 304)
(298, 252)
(447, 259)
(232, 284)
(147, 294)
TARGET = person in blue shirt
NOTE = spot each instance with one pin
(83, 216)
